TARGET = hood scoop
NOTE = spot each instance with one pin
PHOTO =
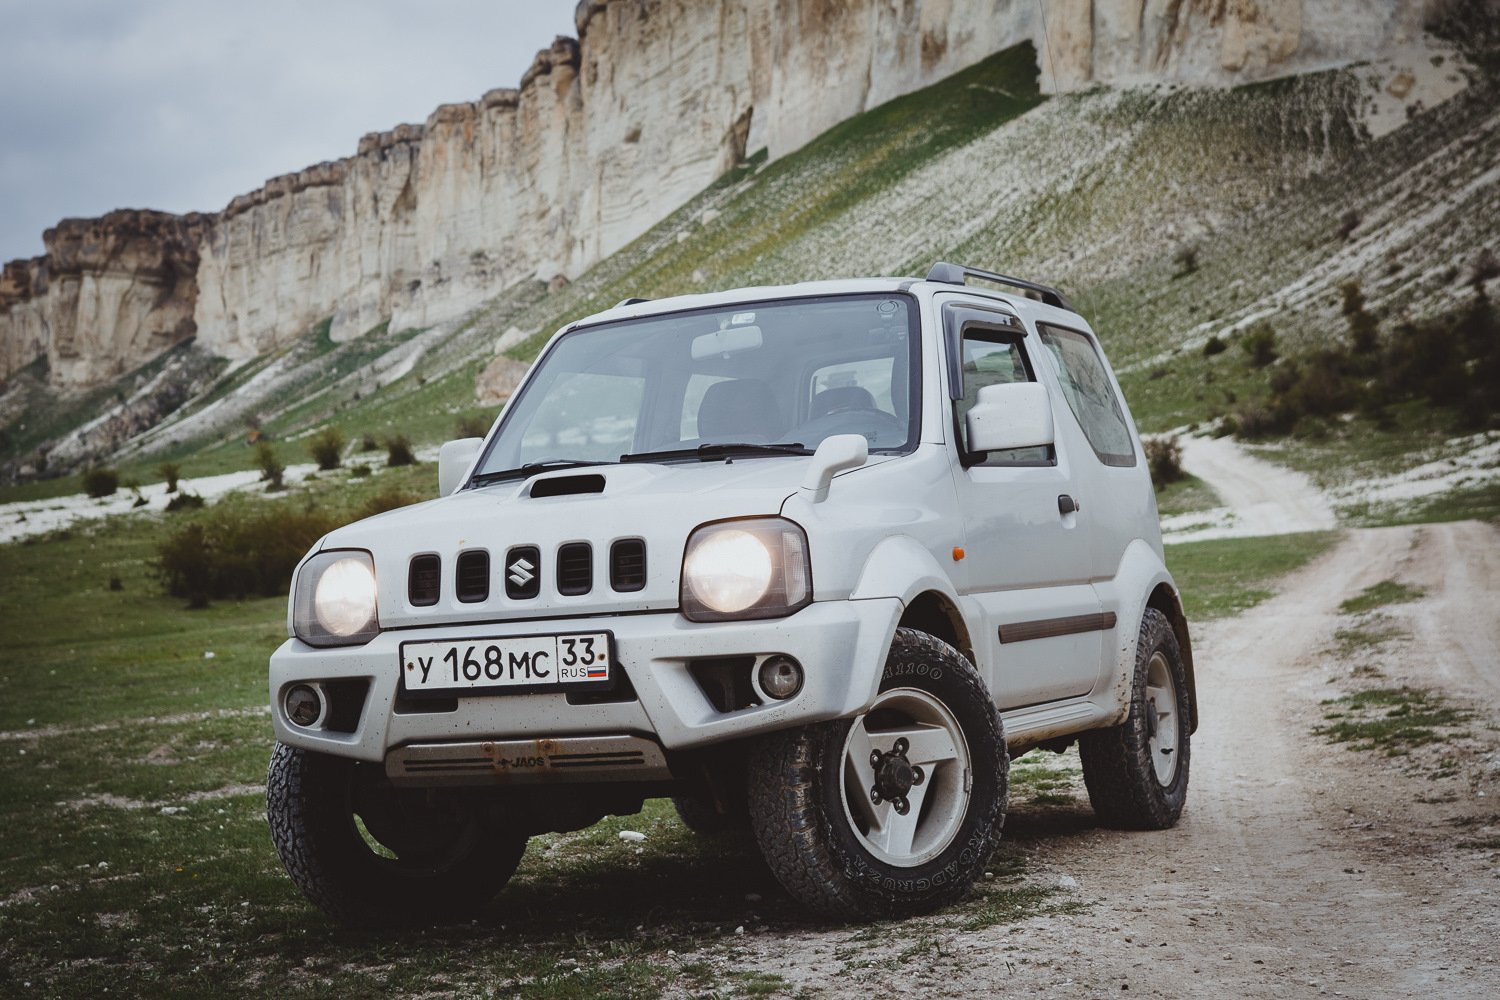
(566, 486)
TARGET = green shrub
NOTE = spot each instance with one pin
(368, 443)
(1186, 259)
(327, 447)
(184, 501)
(389, 500)
(359, 471)
(473, 425)
(271, 469)
(1253, 421)
(1164, 456)
(1214, 346)
(398, 451)
(101, 482)
(231, 555)
(1260, 344)
(1363, 336)
(170, 471)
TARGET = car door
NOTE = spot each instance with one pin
(1026, 555)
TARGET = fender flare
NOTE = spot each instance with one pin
(1142, 581)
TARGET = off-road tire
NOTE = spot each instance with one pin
(799, 820)
(310, 804)
(1118, 768)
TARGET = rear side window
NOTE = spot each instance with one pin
(1090, 395)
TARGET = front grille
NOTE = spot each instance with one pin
(627, 565)
(423, 580)
(575, 568)
(473, 582)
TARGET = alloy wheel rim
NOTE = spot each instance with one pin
(905, 778)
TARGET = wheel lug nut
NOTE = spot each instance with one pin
(901, 806)
(875, 796)
(874, 758)
(901, 747)
(917, 776)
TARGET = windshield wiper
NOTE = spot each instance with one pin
(485, 478)
(708, 452)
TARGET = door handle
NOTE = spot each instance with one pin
(1067, 505)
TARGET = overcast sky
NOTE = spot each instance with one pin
(182, 104)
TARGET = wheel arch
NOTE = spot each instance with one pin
(1164, 598)
(1142, 581)
(935, 614)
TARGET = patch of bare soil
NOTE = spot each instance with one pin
(1301, 867)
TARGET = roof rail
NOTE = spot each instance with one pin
(629, 302)
(954, 274)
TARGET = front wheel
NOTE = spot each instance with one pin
(1137, 773)
(895, 812)
(368, 853)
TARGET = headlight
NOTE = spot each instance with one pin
(745, 569)
(334, 603)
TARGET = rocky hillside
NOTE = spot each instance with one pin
(603, 137)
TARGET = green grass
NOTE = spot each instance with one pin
(1379, 595)
(1185, 496)
(1226, 576)
(1392, 720)
(1367, 634)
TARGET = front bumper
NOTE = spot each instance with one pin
(841, 645)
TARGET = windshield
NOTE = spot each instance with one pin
(775, 377)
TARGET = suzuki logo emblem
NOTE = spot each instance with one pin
(521, 572)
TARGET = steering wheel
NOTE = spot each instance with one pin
(877, 426)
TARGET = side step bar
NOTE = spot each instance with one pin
(528, 762)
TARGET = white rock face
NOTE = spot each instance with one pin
(603, 138)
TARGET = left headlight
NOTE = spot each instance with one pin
(334, 603)
(754, 568)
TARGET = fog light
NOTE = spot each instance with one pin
(781, 677)
(304, 705)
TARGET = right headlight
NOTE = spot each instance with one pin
(753, 568)
(334, 604)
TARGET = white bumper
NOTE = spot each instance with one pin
(841, 645)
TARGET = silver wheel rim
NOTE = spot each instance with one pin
(935, 806)
(1161, 702)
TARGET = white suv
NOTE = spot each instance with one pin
(815, 560)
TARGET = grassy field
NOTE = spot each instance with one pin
(136, 858)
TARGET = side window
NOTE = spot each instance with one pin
(854, 385)
(1090, 395)
(991, 358)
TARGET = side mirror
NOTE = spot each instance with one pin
(1011, 415)
(454, 459)
(834, 455)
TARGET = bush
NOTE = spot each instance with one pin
(101, 482)
(368, 443)
(1260, 344)
(389, 500)
(184, 501)
(1214, 346)
(398, 451)
(170, 471)
(271, 469)
(473, 425)
(1164, 456)
(234, 556)
(359, 471)
(1348, 224)
(1363, 328)
(1253, 421)
(1186, 258)
(327, 447)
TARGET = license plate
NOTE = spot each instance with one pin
(581, 662)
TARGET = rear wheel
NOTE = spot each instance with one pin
(1137, 772)
(368, 853)
(895, 812)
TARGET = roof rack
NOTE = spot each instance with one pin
(629, 302)
(954, 274)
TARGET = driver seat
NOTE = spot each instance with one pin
(845, 397)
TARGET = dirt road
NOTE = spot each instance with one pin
(1300, 867)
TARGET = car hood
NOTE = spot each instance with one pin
(658, 504)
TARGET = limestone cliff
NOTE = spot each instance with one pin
(602, 138)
